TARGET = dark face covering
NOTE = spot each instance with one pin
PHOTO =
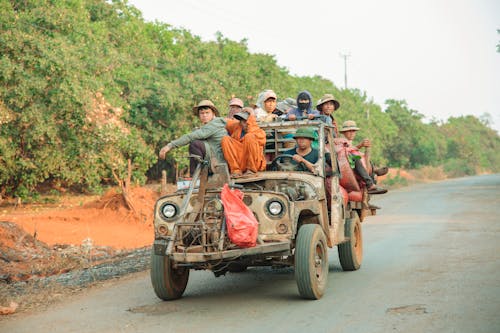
(303, 106)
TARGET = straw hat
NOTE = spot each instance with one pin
(349, 125)
(328, 98)
(206, 103)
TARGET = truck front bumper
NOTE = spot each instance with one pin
(274, 248)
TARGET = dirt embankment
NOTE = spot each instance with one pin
(104, 221)
(71, 244)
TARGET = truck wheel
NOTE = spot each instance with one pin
(351, 253)
(168, 283)
(311, 261)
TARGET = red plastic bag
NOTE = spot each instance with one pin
(242, 226)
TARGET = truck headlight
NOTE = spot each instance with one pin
(275, 208)
(169, 210)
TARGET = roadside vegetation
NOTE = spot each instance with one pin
(87, 86)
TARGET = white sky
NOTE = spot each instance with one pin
(438, 55)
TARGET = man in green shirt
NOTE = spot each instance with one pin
(205, 141)
(303, 154)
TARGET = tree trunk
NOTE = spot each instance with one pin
(125, 186)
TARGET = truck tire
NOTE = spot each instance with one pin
(168, 283)
(351, 252)
(311, 261)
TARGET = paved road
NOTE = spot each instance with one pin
(431, 264)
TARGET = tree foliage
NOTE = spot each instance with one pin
(86, 85)
(472, 147)
(416, 144)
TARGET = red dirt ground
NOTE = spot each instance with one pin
(105, 220)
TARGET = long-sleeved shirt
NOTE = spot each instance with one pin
(299, 113)
(212, 133)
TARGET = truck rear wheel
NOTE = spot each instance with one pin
(311, 261)
(351, 253)
(168, 282)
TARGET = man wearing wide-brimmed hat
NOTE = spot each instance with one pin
(326, 106)
(349, 126)
(205, 141)
(349, 130)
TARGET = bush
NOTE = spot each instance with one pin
(458, 168)
(395, 181)
(430, 173)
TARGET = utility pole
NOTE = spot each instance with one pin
(345, 56)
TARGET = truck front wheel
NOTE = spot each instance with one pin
(311, 261)
(168, 282)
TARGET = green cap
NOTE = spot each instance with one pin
(305, 132)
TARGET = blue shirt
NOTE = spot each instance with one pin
(299, 113)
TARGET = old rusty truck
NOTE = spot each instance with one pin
(300, 215)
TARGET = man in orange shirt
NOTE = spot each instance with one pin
(244, 147)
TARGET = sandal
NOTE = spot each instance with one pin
(249, 173)
(376, 190)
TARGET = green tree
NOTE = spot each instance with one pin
(86, 85)
(416, 143)
(472, 147)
